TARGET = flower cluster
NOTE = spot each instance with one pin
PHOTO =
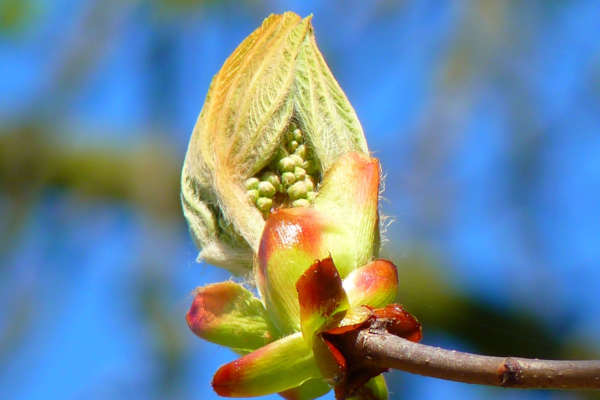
(289, 180)
(278, 184)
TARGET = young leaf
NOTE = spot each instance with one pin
(281, 365)
(228, 314)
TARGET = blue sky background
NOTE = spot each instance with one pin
(485, 116)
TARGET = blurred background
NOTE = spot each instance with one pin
(485, 115)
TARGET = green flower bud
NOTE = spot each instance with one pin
(301, 151)
(300, 173)
(310, 186)
(272, 178)
(300, 203)
(252, 195)
(288, 178)
(297, 190)
(264, 204)
(297, 134)
(252, 183)
(266, 189)
(286, 164)
(296, 160)
(292, 146)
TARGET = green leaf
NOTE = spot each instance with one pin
(247, 108)
(349, 195)
(275, 80)
(291, 242)
(322, 108)
(228, 314)
(281, 365)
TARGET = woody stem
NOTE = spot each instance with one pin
(378, 348)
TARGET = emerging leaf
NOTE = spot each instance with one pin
(274, 121)
(281, 365)
(349, 196)
(227, 314)
(291, 242)
(277, 178)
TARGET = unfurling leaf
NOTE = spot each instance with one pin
(228, 314)
(273, 123)
(278, 366)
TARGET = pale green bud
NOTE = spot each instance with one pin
(297, 190)
(272, 178)
(252, 195)
(297, 134)
(264, 204)
(301, 151)
(300, 203)
(252, 183)
(300, 173)
(286, 164)
(288, 178)
(310, 186)
(292, 146)
(266, 189)
(297, 160)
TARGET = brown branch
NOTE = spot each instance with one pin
(374, 347)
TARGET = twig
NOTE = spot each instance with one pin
(378, 348)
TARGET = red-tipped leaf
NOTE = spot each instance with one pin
(321, 297)
(374, 284)
(228, 314)
(276, 367)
